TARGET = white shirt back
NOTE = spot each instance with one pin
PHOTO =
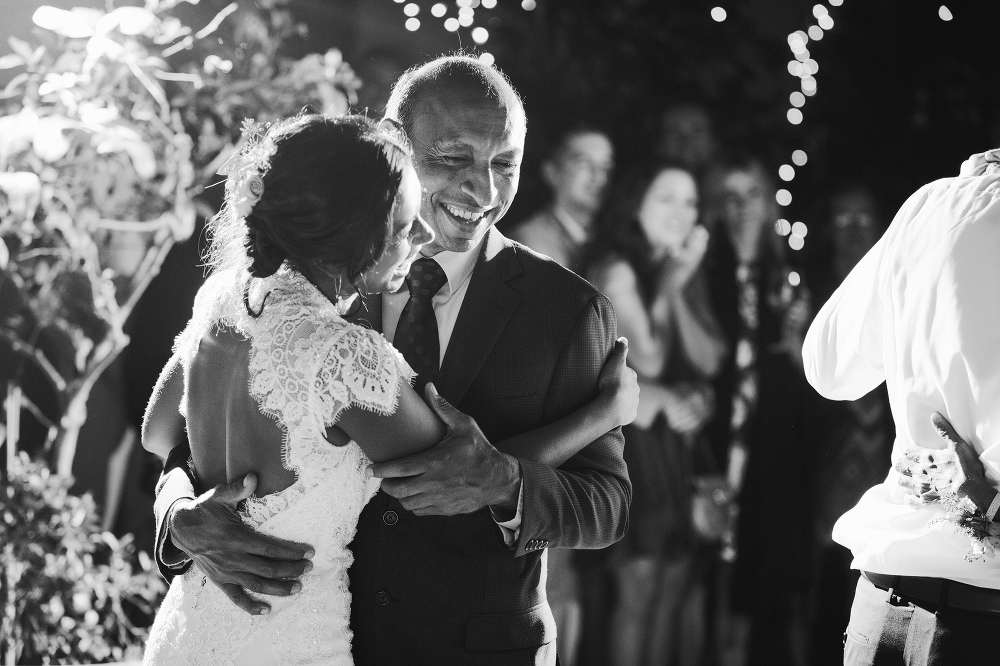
(921, 312)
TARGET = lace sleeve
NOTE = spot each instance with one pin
(307, 366)
(360, 368)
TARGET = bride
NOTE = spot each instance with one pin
(277, 380)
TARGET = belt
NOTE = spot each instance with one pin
(939, 592)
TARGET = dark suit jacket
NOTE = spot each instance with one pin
(527, 348)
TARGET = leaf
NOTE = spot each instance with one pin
(11, 60)
(77, 23)
(20, 47)
(128, 20)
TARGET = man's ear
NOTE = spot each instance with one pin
(549, 170)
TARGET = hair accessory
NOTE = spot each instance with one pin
(246, 167)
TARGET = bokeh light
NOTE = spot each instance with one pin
(719, 14)
(799, 229)
(797, 99)
(786, 172)
(465, 21)
(489, 4)
(463, 3)
(412, 24)
(782, 227)
(527, 5)
(480, 35)
(439, 10)
(945, 13)
(411, 9)
(485, 57)
(796, 242)
(451, 25)
(815, 32)
(825, 22)
(466, 11)
(783, 197)
(836, 3)
(794, 116)
(799, 158)
(808, 84)
(811, 66)
(820, 11)
(399, 2)
(794, 279)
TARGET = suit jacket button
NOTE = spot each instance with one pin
(390, 518)
(382, 598)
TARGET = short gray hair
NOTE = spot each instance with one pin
(458, 74)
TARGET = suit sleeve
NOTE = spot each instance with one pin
(584, 503)
(176, 483)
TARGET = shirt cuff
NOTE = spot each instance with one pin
(172, 557)
(511, 529)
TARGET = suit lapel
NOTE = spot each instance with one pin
(489, 303)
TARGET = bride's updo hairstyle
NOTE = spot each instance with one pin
(325, 199)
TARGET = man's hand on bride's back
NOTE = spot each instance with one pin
(461, 474)
(233, 556)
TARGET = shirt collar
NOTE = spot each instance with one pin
(458, 266)
(575, 230)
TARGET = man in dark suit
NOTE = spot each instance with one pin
(449, 563)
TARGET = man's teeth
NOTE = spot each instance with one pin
(462, 213)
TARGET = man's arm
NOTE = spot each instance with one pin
(584, 503)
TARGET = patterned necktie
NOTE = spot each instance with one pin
(417, 332)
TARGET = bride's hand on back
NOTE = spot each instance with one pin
(230, 554)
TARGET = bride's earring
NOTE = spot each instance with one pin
(340, 306)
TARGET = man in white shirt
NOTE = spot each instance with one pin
(921, 312)
(577, 170)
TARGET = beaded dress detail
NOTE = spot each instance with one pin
(306, 365)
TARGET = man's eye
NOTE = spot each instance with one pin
(506, 166)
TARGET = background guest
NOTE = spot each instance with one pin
(762, 415)
(646, 258)
(687, 137)
(577, 170)
(854, 439)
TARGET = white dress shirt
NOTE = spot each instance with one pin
(458, 267)
(921, 312)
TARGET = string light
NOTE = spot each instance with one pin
(804, 67)
(451, 25)
(719, 14)
(480, 35)
(486, 58)
(794, 279)
(945, 13)
(465, 20)
(439, 10)
(412, 24)
(411, 9)
(527, 5)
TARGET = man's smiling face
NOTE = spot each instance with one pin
(468, 156)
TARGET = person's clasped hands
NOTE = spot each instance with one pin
(928, 473)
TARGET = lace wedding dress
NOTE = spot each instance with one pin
(306, 365)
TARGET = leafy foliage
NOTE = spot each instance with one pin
(79, 595)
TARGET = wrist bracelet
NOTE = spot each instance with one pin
(994, 507)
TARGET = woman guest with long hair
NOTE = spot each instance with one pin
(646, 258)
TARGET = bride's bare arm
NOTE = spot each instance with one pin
(414, 426)
(614, 406)
(163, 423)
